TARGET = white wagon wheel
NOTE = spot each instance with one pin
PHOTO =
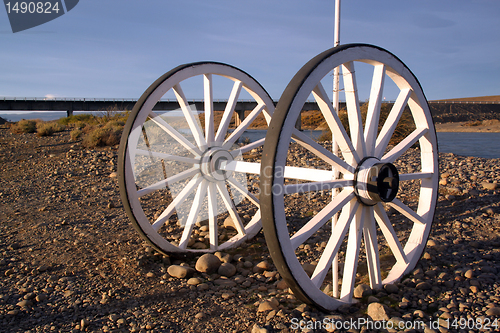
(314, 215)
(180, 176)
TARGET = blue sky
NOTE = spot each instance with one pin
(116, 48)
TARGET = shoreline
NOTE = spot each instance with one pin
(486, 126)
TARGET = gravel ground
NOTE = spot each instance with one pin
(71, 261)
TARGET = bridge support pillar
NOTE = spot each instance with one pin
(239, 116)
(69, 112)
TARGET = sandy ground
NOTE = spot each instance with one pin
(492, 126)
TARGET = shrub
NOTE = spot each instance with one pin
(24, 126)
(49, 128)
(103, 135)
(75, 134)
(86, 118)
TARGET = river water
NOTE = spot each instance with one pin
(486, 145)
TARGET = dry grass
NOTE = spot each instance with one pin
(48, 128)
(24, 126)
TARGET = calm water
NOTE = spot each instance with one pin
(486, 145)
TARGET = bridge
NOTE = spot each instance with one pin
(70, 105)
(467, 109)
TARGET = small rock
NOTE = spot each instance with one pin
(258, 329)
(391, 288)
(203, 286)
(208, 263)
(84, 323)
(227, 295)
(194, 281)
(309, 269)
(282, 285)
(180, 272)
(489, 186)
(69, 293)
(223, 257)
(261, 267)
(423, 286)
(362, 290)
(225, 283)
(228, 223)
(41, 297)
(267, 306)
(378, 311)
(469, 274)
(493, 311)
(24, 303)
(226, 269)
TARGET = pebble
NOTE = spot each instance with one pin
(489, 186)
(362, 290)
(378, 311)
(180, 272)
(208, 263)
(226, 269)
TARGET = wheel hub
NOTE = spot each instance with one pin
(375, 181)
(212, 164)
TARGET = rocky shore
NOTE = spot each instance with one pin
(70, 260)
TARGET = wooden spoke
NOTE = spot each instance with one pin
(326, 155)
(353, 110)
(175, 134)
(209, 108)
(228, 202)
(406, 211)
(335, 125)
(243, 190)
(390, 234)
(170, 180)
(334, 243)
(391, 122)
(404, 145)
(371, 247)
(228, 112)
(212, 216)
(193, 123)
(170, 157)
(193, 214)
(243, 126)
(352, 255)
(248, 147)
(321, 218)
(186, 191)
(374, 104)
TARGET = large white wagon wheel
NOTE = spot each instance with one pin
(316, 222)
(180, 176)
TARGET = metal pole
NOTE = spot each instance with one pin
(335, 146)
